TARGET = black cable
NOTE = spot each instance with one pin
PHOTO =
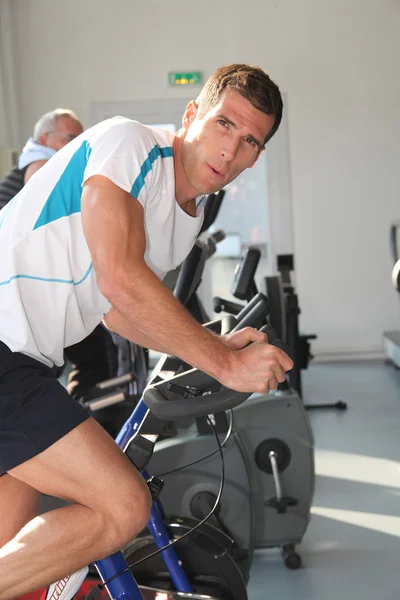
(195, 462)
(94, 592)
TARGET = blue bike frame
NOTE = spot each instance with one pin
(124, 587)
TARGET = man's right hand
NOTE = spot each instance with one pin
(257, 368)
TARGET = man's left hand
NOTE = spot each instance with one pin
(240, 339)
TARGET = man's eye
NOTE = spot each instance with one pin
(222, 122)
(250, 141)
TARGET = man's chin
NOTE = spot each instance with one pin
(206, 186)
(211, 189)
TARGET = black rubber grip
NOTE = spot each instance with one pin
(187, 270)
(244, 276)
(275, 341)
(249, 307)
(254, 313)
(219, 305)
(218, 236)
(211, 209)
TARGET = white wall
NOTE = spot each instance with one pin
(337, 61)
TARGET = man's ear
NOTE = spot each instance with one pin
(190, 114)
(257, 157)
(43, 139)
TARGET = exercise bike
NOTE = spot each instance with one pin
(269, 451)
(248, 512)
(194, 559)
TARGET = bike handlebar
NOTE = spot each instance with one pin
(196, 394)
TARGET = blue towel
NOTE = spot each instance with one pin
(32, 151)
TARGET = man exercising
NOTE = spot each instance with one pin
(90, 237)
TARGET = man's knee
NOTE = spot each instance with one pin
(129, 511)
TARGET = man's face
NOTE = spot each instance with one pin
(226, 140)
(65, 130)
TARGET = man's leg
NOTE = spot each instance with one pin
(19, 503)
(110, 505)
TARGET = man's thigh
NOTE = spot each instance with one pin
(84, 466)
(50, 443)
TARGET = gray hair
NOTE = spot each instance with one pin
(48, 121)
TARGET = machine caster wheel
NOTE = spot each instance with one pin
(291, 559)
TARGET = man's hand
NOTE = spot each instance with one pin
(257, 367)
(240, 339)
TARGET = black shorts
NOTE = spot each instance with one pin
(35, 409)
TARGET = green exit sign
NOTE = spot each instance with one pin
(193, 78)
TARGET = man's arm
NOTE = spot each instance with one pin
(113, 224)
(32, 168)
(116, 322)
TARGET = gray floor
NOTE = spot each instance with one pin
(351, 549)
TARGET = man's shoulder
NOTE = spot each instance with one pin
(123, 128)
(121, 125)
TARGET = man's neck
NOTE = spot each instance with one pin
(185, 195)
(189, 207)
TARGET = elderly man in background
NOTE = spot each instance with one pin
(51, 133)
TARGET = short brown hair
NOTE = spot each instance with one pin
(250, 82)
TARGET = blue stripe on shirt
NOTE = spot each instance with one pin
(65, 198)
(147, 166)
(49, 279)
(6, 208)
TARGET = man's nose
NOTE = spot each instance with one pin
(229, 149)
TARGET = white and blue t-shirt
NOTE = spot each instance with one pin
(49, 297)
